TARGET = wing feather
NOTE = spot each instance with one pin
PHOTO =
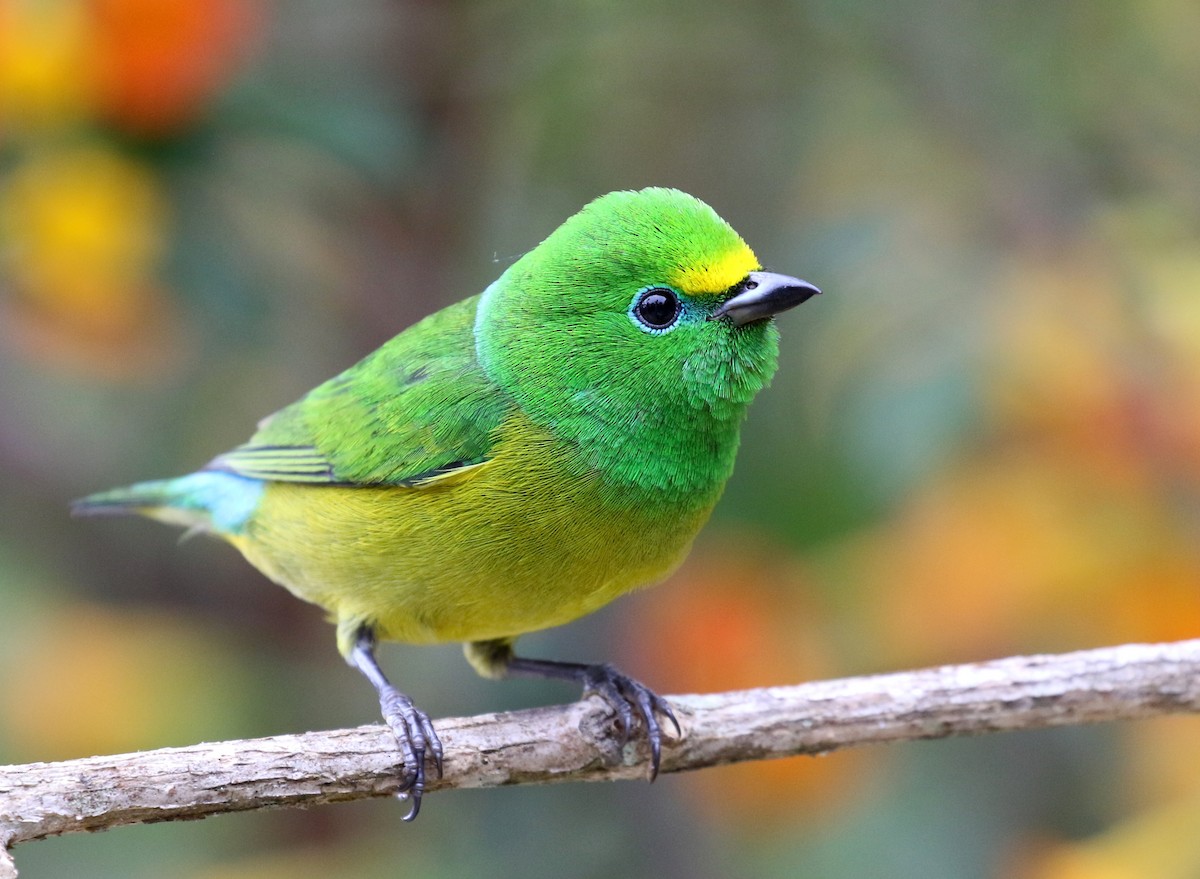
(419, 411)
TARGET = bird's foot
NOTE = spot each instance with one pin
(415, 735)
(632, 700)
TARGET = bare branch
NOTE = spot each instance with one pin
(577, 742)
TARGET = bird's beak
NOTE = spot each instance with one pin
(763, 294)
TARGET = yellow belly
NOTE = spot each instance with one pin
(528, 540)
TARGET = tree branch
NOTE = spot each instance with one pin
(577, 742)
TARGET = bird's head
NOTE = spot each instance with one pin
(643, 313)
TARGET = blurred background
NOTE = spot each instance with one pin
(984, 440)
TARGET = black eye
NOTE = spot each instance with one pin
(657, 309)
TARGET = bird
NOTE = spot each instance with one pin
(513, 461)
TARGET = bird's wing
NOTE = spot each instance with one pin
(418, 411)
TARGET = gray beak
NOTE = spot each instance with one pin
(763, 294)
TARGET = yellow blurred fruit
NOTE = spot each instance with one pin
(47, 66)
(83, 232)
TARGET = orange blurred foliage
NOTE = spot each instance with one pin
(740, 614)
(149, 67)
(1023, 554)
(1061, 526)
(159, 62)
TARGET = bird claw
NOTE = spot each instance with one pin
(416, 738)
(625, 694)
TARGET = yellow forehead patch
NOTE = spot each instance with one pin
(718, 275)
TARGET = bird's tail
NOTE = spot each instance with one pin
(209, 500)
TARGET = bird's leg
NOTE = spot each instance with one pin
(410, 725)
(629, 698)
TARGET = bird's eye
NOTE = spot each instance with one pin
(656, 309)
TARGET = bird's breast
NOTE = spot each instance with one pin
(533, 538)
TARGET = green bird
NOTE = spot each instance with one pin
(513, 461)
